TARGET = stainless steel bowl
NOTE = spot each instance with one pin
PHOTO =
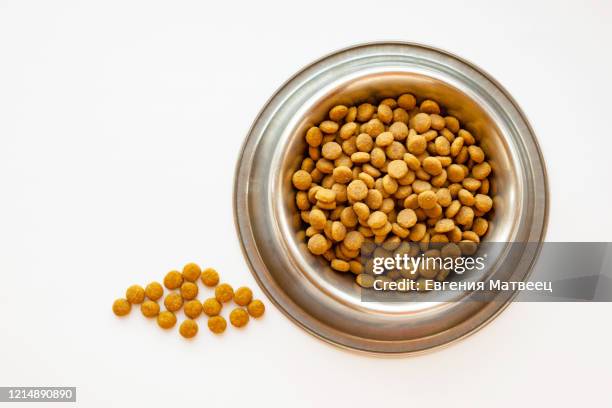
(326, 303)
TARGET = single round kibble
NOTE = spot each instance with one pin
(193, 309)
(243, 296)
(256, 308)
(331, 150)
(239, 317)
(314, 136)
(189, 290)
(377, 219)
(211, 307)
(173, 302)
(422, 122)
(149, 308)
(188, 329)
(406, 218)
(210, 277)
(427, 200)
(154, 291)
(317, 244)
(191, 272)
(432, 166)
(444, 225)
(166, 319)
(302, 180)
(173, 280)
(398, 169)
(357, 190)
(406, 101)
(224, 293)
(121, 307)
(135, 294)
(217, 324)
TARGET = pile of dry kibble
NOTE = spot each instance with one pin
(378, 179)
(185, 291)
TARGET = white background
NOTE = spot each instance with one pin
(120, 123)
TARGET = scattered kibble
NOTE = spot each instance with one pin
(191, 272)
(154, 291)
(256, 308)
(173, 302)
(391, 175)
(243, 296)
(173, 280)
(210, 277)
(166, 319)
(184, 291)
(188, 329)
(211, 307)
(239, 317)
(217, 324)
(149, 308)
(189, 290)
(135, 294)
(121, 307)
(224, 293)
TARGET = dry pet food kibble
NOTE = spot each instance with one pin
(121, 307)
(166, 319)
(402, 175)
(224, 293)
(154, 291)
(135, 294)
(191, 272)
(211, 307)
(239, 317)
(149, 308)
(185, 291)
(243, 296)
(256, 308)
(210, 277)
(188, 329)
(173, 280)
(217, 324)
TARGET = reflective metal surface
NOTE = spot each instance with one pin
(327, 303)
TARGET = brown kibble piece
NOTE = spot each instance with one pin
(317, 244)
(444, 225)
(189, 290)
(338, 112)
(149, 308)
(427, 200)
(188, 329)
(135, 294)
(154, 291)
(422, 122)
(407, 218)
(239, 317)
(406, 101)
(302, 180)
(397, 169)
(173, 280)
(191, 272)
(173, 302)
(211, 307)
(166, 319)
(256, 308)
(432, 166)
(210, 277)
(224, 293)
(217, 324)
(314, 137)
(193, 309)
(357, 190)
(243, 296)
(121, 307)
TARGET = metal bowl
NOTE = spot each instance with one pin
(329, 304)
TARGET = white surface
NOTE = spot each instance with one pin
(120, 122)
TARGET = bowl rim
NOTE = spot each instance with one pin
(239, 203)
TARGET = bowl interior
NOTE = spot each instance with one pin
(373, 87)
